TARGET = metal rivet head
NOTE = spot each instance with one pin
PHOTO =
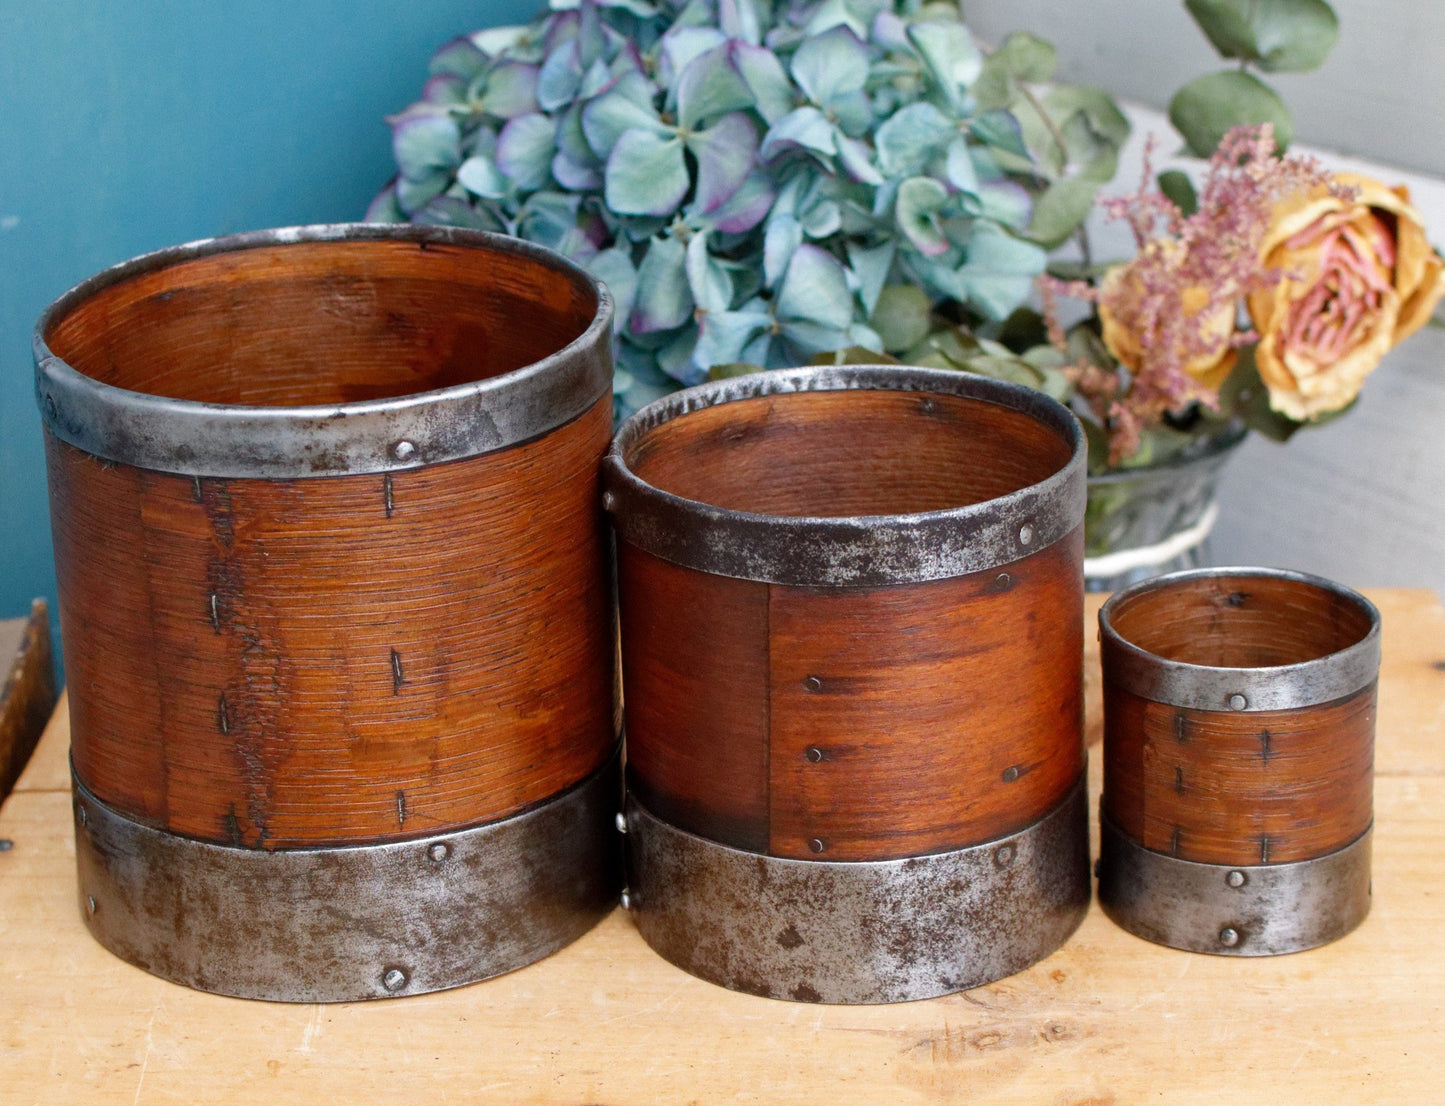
(402, 450)
(814, 754)
(394, 979)
(1005, 855)
(1238, 701)
(1235, 879)
(439, 852)
(812, 683)
(1229, 937)
(1011, 773)
(626, 899)
(90, 904)
(84, 817)
(1026, 534)
(609, 501)
(620, 821)
(817, 845)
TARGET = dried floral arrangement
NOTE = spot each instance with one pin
(763, 184)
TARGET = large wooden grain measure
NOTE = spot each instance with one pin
(334, 605)
(851, 604)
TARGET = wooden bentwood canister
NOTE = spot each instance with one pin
(1239, 726)
(335, 602)
(852, 632)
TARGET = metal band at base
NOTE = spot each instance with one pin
(1232, 910)
(355, 922)
(859, 931)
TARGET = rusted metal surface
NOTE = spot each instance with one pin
(859, 932)
(1233, 910)
(387, 435)
(351, 923)
(846, 551)
(1256, 688)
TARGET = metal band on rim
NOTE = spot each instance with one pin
(1232, 910)
(354, 922)
(386, 435)
(1203, 687)
(862, 931)
(856, 551)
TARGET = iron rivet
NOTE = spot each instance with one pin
(439, 852)
(1011, 773)
(394, 979)
(626, 899)
(84, 817)
(6, 844)
(1229, 937)
(817, 845)
(1237, 701)
(401, 451)
(1004, 856)
(1003, 580)
(812, 683)
(1235, 879)
(620, 821)
(609, 502)
(814, 754)
(926, 406)
(90, 903)
(1026, 534)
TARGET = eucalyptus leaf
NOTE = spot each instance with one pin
(1276, 35)
(902, 317)
(1061, 210)
(1176, 185)
(1206, 108)
(1020, 57)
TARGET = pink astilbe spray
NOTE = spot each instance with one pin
(1176, 301)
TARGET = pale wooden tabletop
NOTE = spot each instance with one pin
(1107, 1019)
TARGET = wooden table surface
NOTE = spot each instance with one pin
(1106, 1019)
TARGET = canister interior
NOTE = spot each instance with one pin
(323, 322)
(831, 454)
(1241, 621)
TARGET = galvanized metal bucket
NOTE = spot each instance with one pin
(1239, 725)
(852, 604)
(334, 593)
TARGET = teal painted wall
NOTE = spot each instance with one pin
(129, 125)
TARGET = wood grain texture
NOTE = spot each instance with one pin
(385, 656)
(848, 453)
(1106, 1019)
(1243, 621)
(926, 717)
(27, 691)
(1239, 787)
(852, 723)
(695, 668)
(332, 322)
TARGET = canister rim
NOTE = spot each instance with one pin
(196, 438)
(847, 551)
(1323, 679)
